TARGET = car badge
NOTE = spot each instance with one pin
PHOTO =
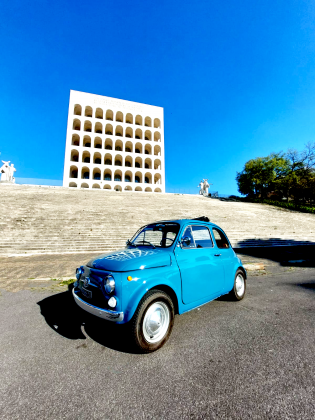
(86, 282)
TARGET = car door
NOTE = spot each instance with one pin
(225, 253)
(201, 271)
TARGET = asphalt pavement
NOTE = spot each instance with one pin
(252, 359)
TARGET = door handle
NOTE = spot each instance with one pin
(217, 255)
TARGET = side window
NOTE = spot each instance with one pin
(188, 235)
(202, 237)
(220, 238)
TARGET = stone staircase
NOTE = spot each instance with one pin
(36, 219)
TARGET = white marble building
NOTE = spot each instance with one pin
(114, 144)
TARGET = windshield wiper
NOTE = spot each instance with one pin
(143, 241)
(131, 243)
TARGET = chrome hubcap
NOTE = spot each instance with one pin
(240, 285)
(156, 322)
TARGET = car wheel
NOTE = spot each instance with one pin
(153, 321)
(239, 288)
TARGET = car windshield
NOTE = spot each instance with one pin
(157, 235)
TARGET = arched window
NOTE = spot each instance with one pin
(86, 141)
(148, 178)
(85, 173)
(107, 187)
(119, 117)
(157, 136)
(107, 175)
(77, 110)
(157, 179)
(87, 126)
(96, 185)
(99, 113)
(119, 145)
(118, 176)
(138, 134)
(119, 131)
(128, 176)
(138, 189)
(98, 128)
(97, 158)
(86, 157)
(148, 189)
(73, 185)
(138, 148)
(128, 188)
(74, 156)
(128, 161)
(147, 149)
(129, 132)
(76, 125)
(88, 111)
(138, 177)
(97, 174)
(147, 135)
(108, 144)
(73, 172)
(157, 123)
(128, 147)
(148, 122)
(108, 159)
(84, 185)
(75, 140)
(138, 120)
(129, 119)
(109, 129)
(148, 164)
(138, 162)
(98, 143)
(117, 188)
(157, 164)
(157, 151)
(118, 160)
(158, 190)
(109, 115)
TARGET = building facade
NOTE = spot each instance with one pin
(113, 144)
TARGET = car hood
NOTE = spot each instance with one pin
(130, 259)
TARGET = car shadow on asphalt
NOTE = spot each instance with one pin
(66, 318)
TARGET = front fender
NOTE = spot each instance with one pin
(145, 280)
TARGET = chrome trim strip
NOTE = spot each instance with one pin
(94, 310)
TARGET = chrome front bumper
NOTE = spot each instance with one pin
(94, 310)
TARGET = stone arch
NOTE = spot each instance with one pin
(107, 187)
(148, 122)
(119, 146)
(97, 158)
(138, 189)
(107, 175)
(76, 125)
(148, 178)
(97, 174)
(148, 149)
(128, 188)
(73, 172)
(73, 185)
(109, 129)
(119, 116)
(119, 131)
(138, 177)
(128, 176)
(84, 185)
(129, 132)
(148, 163)
(117, 188)
(86, 157)
(157, 179)
(99, 113)
(138, 120)
(86, 141)
(77, 109)
(157, 136)
(138, 162)
(75, 140)
(129, 147)
(88, 111)
(148, 189)
(118, 175)
(96, 186)
(148, 135)
(138, 148)
(157, 150)
(88, 126)
(128, 161)
(138, 134)
(98, 128)
(109, 144)
(129, 118)
(118, 160)
(157, 164)
(109, 115)
(74, 156)
(108, 159)
(157, 123)
(158, 190)
(85, 173)
(97, 143)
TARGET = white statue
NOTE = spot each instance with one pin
(201, 187)
(7, 172)
(204, 187)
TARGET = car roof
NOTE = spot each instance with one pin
(184, 221)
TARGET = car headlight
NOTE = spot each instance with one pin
(78, 273)
(109, 284)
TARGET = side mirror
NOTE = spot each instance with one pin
(185, 241)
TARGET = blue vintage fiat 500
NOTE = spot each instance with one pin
(168, 267)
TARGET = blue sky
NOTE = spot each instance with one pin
(236, 78)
